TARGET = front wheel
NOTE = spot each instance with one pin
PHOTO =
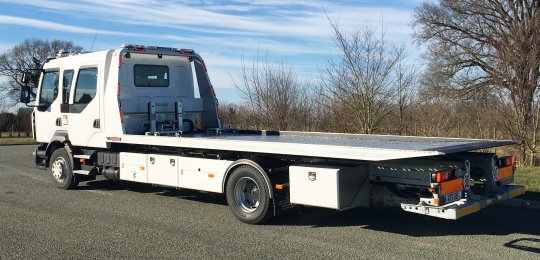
(248, 195)
(61, 169)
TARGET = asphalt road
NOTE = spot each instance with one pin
(102, 219)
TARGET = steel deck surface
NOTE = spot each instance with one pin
(325, 145)
(445, 145)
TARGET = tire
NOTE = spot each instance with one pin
(248, 196)
(61, 170)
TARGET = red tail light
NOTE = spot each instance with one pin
(507, 161)
(118, 90)
(506, 167)
(441, 176)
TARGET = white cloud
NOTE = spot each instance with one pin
(250, 43)
(42, 24)
(4, 19)
(223, 30)
(310, 22)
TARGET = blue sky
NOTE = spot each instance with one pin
(296, 32)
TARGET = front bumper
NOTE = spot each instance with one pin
(464, 207)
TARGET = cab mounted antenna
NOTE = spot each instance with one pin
(93, 41)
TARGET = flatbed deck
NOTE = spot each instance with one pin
(323, 145)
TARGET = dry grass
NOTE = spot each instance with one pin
(530, 178)
(16, 140)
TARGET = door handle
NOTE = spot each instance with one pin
(97, 123)
(58, 121)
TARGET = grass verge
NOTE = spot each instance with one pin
(530, 178)
(16, 140)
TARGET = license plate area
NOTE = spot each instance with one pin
(449, 198)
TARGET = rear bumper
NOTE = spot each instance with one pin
(464, 207)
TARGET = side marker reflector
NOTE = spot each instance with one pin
(516, 192)
(467, 210)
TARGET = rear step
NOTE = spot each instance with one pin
(464, 207)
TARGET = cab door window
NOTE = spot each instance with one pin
(49, 87)
(66, 85)
(85, 88)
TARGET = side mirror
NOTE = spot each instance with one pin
(26, 76)
(25, 94)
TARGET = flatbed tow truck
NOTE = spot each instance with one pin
(149, 114)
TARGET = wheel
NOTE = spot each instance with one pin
(248, 195)
(62, 170)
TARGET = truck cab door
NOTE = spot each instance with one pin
(82, 115)
(47, 114)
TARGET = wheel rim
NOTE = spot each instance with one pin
(59, 169)
(246, 194)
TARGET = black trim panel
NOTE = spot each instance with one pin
(72, 108)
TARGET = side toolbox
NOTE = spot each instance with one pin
(133, 167)
(329, 186)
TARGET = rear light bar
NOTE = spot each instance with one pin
(136, 47)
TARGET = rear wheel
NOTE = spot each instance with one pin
(61, 170)
(248, 195)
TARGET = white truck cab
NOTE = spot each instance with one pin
(94, 96)
(150, 114)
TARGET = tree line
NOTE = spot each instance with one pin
(480, 80)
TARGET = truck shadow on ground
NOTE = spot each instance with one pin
(109, 185)
(494, 220)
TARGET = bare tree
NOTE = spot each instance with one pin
(7, 122)
(488, 44)
(3, 104)
(360, 82)
(30, 54)
(273, 94)
(24, 120)
(406, 84)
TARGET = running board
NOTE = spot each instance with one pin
(464, 207)
(82, 172)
